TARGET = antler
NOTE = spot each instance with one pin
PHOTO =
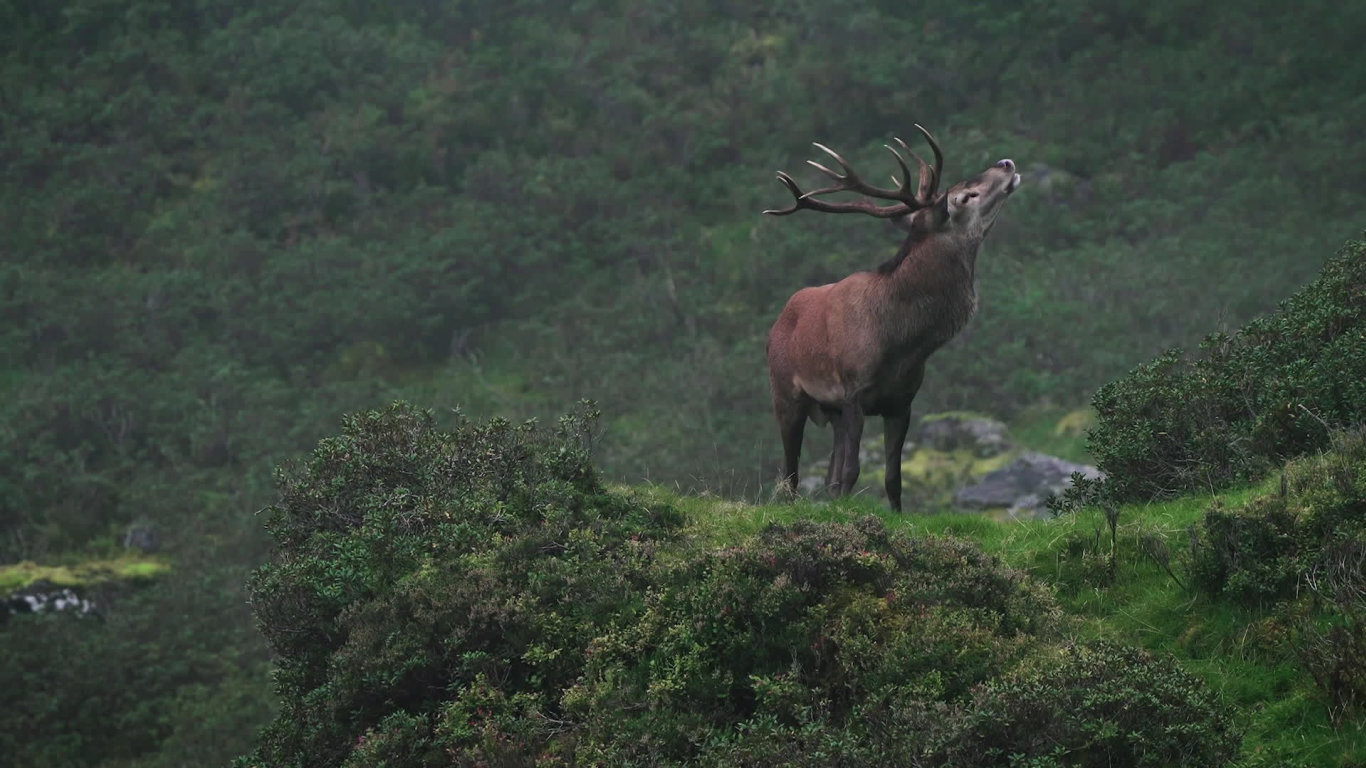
(848, 181)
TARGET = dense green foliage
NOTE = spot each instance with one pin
(1277, 388)
(1100, 705)
(227, 223)
(223, 224)
(476, 597)
(411, 560)
(1301, 552)
(165, 670)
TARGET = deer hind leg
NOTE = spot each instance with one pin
(848, 432)
(833, 468)
(894, 438)
(791, 426)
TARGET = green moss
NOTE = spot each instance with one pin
(930, 477)
(962, 415)
(929, 466)
(19, 575)
(1075, 423)
(1056, 431)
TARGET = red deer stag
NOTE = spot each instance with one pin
(858, 347)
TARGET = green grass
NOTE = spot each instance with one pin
(1054, 430)
(1284, 720)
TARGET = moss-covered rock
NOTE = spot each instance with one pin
(16, 576)
(957, 450)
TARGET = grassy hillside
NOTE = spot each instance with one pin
(1240, 651)
(225, 227)
(477, 596)
(225, 224)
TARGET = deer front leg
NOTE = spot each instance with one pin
(894, 438)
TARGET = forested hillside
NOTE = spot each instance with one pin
(224, 224)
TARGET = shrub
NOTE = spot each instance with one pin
(1266, 549)
(821, 633)
(1275, 389)
(477, 598)
(1330, 636)
(1248, 554)
(414, 562)
(1302, 551)
(1095, 705)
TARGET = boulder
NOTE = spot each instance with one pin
(1022, 485)
(43, 596)
(141, 537)
(984, 437)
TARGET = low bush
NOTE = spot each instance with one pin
(1301, 551)
(415, 562)
(1099, 705)
(833, 631)
(1273, 545)
(1276, 389)
(476, 597)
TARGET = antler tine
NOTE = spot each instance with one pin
(849, 181)
(848, 177)
(808, 200)
(846, 180)
(905, 183)
(938, 157)
(796, 194)
(929, 180)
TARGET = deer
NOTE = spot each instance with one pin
(855, 348)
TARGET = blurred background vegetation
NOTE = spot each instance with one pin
(223, 224)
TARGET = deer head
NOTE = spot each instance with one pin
(968, 207)
(971, 205)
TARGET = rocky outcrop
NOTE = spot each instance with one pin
(1023, 485)
(968, 462)
(143, 537)
(954, 432)
(46, 597)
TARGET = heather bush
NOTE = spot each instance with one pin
(1276, 389)
(835, 630)
(1300, 551)
(1101, 705)
(413, 563)
(1266, 549)
(476, 597)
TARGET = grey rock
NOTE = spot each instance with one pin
(45, 597)
(1031, 507)
(1022, 485)
(142, 537)
(984, 437)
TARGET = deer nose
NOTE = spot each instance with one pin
(1007, 164)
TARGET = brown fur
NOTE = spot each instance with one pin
(858, 347)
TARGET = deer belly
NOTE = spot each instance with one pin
(826, 391)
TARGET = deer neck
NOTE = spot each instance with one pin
(929, 295)
(943, 263)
